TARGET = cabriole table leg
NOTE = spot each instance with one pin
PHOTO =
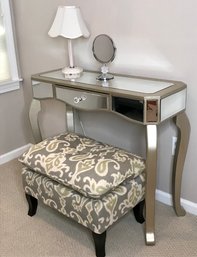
(33, 116)
(183, 125)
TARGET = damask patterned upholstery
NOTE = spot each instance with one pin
(93, 183)
(87, 166)
(95, 214)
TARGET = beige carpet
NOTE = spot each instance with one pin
(50, 234)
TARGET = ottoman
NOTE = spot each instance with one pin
(88, 181)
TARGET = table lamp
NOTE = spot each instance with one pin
(69, 23)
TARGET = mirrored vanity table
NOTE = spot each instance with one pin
(145, 101)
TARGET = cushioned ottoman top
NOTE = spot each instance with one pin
(88, 166)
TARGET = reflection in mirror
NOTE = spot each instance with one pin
(104, 52)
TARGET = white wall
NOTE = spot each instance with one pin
(153, 38)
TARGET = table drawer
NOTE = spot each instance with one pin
(82, 99)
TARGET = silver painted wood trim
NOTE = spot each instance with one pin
(151, 171)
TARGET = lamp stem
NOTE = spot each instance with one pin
(70, 53)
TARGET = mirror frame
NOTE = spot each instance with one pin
(114, 49)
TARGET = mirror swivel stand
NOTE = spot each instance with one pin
(104, 74)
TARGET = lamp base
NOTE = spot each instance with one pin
(72, 72)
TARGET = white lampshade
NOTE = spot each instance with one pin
(69, 24)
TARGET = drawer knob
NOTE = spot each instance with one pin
(79, 99)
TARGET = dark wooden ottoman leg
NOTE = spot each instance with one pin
(33, 203)
(99, 241)
(138, 212)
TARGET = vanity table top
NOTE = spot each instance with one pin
(120, 85)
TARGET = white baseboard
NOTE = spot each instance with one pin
(13, 154)
(166, 198)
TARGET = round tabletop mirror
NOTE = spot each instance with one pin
(104, 52)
